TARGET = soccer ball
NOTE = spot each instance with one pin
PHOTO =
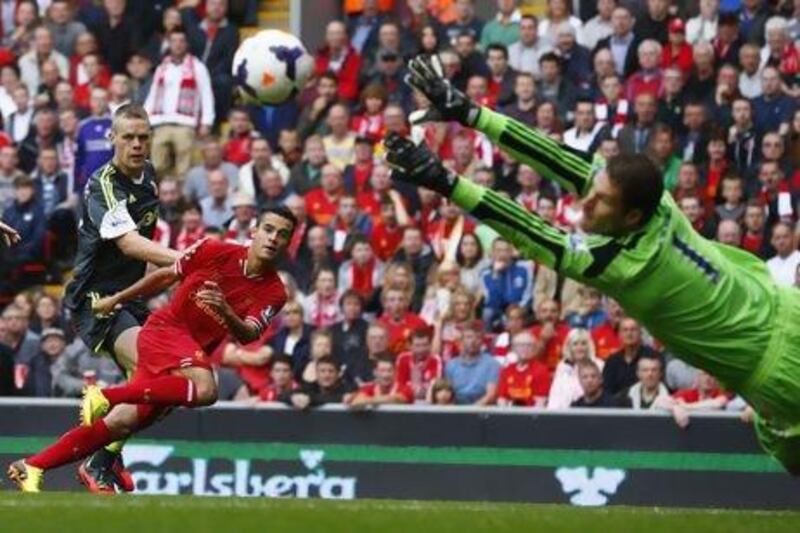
(270, 67)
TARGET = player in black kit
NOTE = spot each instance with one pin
(114, 247)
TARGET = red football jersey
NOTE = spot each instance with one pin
(522, 383)
(256, 299)
(386, 241)
(400, 332)
(320, 207)
(418, 376)
(371, 389)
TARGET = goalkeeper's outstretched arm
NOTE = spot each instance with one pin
(571, 168)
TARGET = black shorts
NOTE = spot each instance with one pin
(99, 334)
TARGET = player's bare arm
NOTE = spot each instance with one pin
(151, 284)
(132, 244)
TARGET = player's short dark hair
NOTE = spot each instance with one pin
(283, 212)
(282, 359)
(498, 47)
(131, 111)
(640, 182)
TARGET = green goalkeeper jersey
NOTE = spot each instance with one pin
(709, 303)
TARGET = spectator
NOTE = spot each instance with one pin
(648, 392)
(692, 207)
(465, 22)
(383, 390)
(772, 110)
(281, 382)
(289, 148)
(340, 142)
(594, 392)
(753, 16)
(551, 332)
(26, 215)
(217, 208)
(54, 190)
(116, 34)
(93, 147)
(417, 255)
(19, 121)
(418, 368)
(315, 255)
(727, 42)
(622, 42)
(348, 223)
(598, 27)
(390, 73)
(729, 232)
(576, 59)
(701, 83)
(653, 22)
(245, 219)
(24, 343)
(321, 346)
(743, 139)
(703, 27)
(339, 56)
(661, 151)
(649, 78)
(293, 339)
(523, 105)
(252, 175)
(195, 181)
(236, 149)
(504, 28)
(750, 75)
(76, 367)
(322, 306)
(357, 175)
(119, 92)
(526, 382)
(506, 281)
(192, 227)
(587, 133)
(441, 393)
(693, 144)
(554, 88)
(558, 12)
(43, 51)
(350, 334)
(322, 202)
(620, 369)
(214, 40)
(524, 55)
(474, 373)
(398, 319)
(754, 239)
(783, 265)
(362, 272)
(312, 118)
(181, 106)
(471, 262)
(40, 373)
(364, 27)
(634, 138)
(705, 396)
(732, 207)
(369, 124)
(610, 108)
(677, 52)
(47, 314)
(780, 51)
(566, 387)
(502, 78)
(64, 29)
(328, 388)
(18, 36)
(140, 69)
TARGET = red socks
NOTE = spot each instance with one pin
(73, 446)
(162, 391)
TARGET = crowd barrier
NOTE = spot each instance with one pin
(582, 457)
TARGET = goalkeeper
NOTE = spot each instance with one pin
(713, 305)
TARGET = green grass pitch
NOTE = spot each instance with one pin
(85, 513)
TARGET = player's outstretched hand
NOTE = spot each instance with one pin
(417, 165)
(447, 103)
(212, 296)
(9, 234)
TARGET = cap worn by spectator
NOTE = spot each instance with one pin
(50, 332)
(243, 200)
(676, 26)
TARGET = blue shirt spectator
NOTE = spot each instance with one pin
(474, 373)
(94, 148)
(773, 110)
(506, 281)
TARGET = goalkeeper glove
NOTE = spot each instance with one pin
(417, 165)
(447, 102)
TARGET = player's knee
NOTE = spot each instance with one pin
(206, 392)
(121, 421)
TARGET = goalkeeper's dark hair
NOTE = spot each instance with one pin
(640, 182)
(283, 212)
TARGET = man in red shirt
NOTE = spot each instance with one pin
(322, 202)
(550, 331)
(418, 368)
(398, 320)
(526, 382)
(705, 396)
(282, 382)
(387, 234)
(224, 290)
(383, 390)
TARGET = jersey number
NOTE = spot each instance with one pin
(694, 256)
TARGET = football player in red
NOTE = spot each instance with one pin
(224, 289)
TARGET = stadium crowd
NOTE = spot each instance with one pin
(396, 296)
